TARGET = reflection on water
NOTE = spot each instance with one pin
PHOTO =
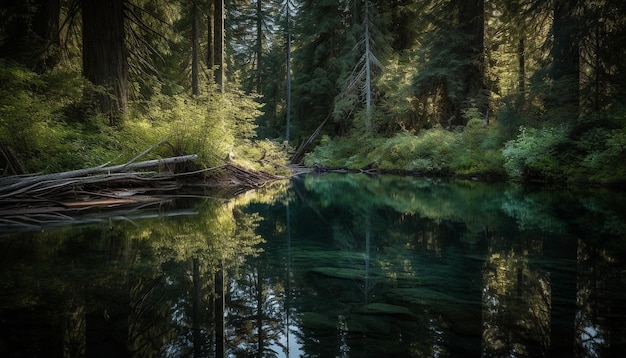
(330, 266)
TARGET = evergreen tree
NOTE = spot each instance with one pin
(29, 32)
(359, 88)
(218, 45)
(321, 28)
(515, 34)
(565, 57)
(105, 57)
(288, 9)
(451, 78)
(195, 41)
(602, 63)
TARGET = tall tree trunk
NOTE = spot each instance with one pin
(472, 23)
(46, 27)
(368, 71)
(195, 88)
(288, 90)
(521, 75)
(210, 60)
(565, 56)
(259, 44)
(218, 38)
(105, 60)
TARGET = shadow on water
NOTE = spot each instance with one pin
(329, 266)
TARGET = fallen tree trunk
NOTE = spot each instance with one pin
(18, 185)
(299, 155)
(25, 196)
(30, 199)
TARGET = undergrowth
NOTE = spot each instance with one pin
(471, 151)
(50, 126)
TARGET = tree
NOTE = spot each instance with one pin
(29, 32)
(321, 27)
(218, 45)
(288, 8)
(515, 33)
(601, 61)
(452, 77)
(565, 56)
(359, 88)
(105, 57)
(195, 87)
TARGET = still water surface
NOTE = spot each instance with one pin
(327, 266)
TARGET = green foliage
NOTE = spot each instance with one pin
(591, 150)
(429, 151)
(473, 151)
(189, 126)
(210, 126)
(604, 151)
(343, 152)
(35, 115)
(46, 121)
(534, 154)
(263, 155)
(478, 150)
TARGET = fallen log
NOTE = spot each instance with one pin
(59, 179)
(299, 155)
(32, 200)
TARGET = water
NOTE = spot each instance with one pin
(328, 266)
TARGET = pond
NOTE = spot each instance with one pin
(326, 266)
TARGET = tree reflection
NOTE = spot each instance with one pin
(74, 327)
(329, 266)
(598, 301)
(517, 303)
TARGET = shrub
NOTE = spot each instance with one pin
(472, 151)
(603, 160)
(534, 155)
(34, 120)
(47, 122)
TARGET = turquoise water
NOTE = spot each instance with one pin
(327, 266)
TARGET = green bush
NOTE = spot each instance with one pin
(534, 155)
(478, 150)
(472, 151)
(349, 152)
(34, 119)
(603, 161)
(429, 151)
(46, 121)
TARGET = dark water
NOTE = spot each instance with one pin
(331, 266)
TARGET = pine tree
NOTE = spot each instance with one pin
(452, 76)
(601, 61)
(288, 9)
(105, 56)
(218, 45)
(321, 28)
(29, 32)
(360, 87)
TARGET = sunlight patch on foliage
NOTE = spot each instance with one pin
(473, 151)
(51, 126)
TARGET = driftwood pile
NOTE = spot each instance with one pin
(40, 199)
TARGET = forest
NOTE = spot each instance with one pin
(525, 90)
